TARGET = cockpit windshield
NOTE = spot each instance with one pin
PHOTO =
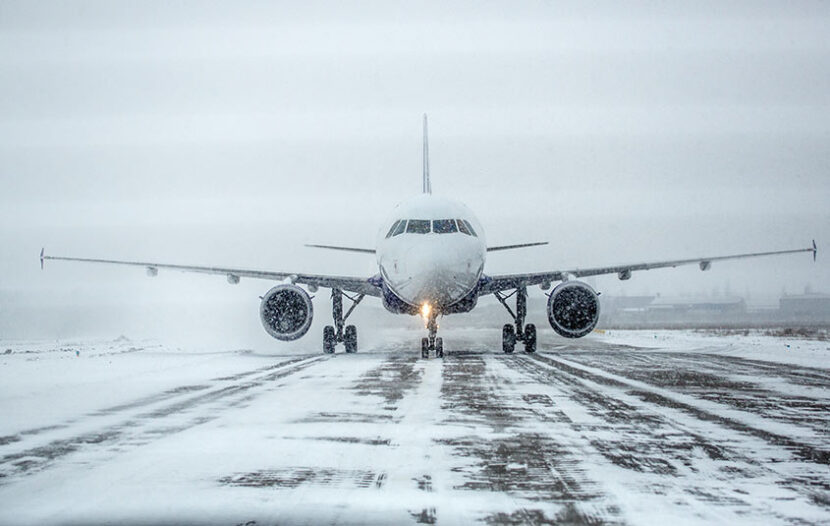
(400, 227)
(444, 226)
(393, 227)
(418, 226)
(425, 226)
(465, 227)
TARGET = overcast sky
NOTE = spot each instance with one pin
(234, 132)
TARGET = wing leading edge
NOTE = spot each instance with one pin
(344, 249)
(493, 284)
(347, 283)
(512, 247)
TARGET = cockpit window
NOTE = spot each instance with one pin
(417, 226)
(401, 226)
(465, 227)
(392, 229)
(470, 228)
(444, 226)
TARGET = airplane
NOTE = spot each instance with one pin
(430, 255)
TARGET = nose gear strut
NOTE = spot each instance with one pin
(432, 343)
(521, 332)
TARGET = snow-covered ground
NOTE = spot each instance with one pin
(635, 427)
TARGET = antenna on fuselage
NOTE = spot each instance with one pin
(427, 185)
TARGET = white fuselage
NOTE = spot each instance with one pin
(437, 258)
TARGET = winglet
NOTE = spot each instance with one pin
(427, 186)
(815, 250)
(42, 250)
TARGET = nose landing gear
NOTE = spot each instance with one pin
(340, 332)
(521, 332)
(432, 342)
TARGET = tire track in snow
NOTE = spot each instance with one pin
(700, 409)
(708, 463)
(141, 428)
(790, 394)
(378, 394)
(540, 473)
(141, 402)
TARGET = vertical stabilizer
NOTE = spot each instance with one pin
(427, 185)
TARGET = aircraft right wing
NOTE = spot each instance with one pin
(511, 247)
(493, 284)
(358, 285)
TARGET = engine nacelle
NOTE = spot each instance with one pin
(573, 309)
(286, 312)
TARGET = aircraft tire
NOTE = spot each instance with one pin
(350, 338)
(424, 347)
(530, 338)
(439, 347)
(508, 338)
(329, 340)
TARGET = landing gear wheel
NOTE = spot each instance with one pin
(424, 347)
(329, 339)
(530, 338)
(439, 348)
(508, 338)
(350, 338)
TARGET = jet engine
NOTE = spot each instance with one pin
(286, 312)
(573, 309)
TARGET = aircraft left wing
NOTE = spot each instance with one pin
(346, 283)
(344, 249)
(493, 284)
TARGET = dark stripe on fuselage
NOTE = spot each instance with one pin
(394, 304)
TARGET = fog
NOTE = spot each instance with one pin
(233, 133)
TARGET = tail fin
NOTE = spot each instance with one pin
(427, 185)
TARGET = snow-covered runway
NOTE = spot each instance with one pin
(623, 428)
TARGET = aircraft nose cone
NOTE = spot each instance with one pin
(441, 279)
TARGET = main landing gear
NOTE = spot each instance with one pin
(432, 343)
(348, 334)
(510, 334)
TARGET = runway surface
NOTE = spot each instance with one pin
(587, 432)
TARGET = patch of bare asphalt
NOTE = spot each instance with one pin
(511, 459)
(138, 430)
(349, 440)
(36, 458)
(569, 515)
(288, 478)
(801, 450)
(9, 439)
(391, 380)
(424, 483)
(468, 397)
(395, 377)
(425, 516)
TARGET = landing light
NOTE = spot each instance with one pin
(425, 310)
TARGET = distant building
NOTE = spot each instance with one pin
(730, 305)
(626, 303)
(812, 306)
